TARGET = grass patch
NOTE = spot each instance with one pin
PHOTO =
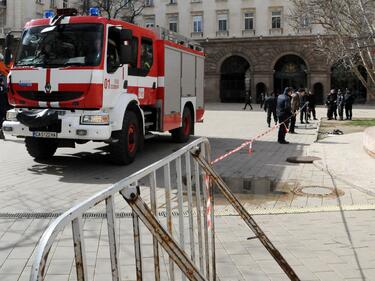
(347, 126)
(362, 122)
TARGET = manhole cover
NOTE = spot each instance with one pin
(318, 191)
(302, 159)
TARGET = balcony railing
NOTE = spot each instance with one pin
(276, 31)
(196, 35)
(248, 32)
(222, 33)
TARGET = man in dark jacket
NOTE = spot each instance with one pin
(331, 104)
(349, 100)
(4, 106)
(284, 112)
(312, 104)
(270, 108)
(303, 105)
(340, 104)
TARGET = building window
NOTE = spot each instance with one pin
(149, 3)
(172, 2)
(65, 4)
(197, 23)
(150, 22)
(276, 19)
(173, 23)
(39, 1)
(222, 22)
(305, 21)
(249, 21)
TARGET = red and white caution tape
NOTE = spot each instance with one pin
(208, 203)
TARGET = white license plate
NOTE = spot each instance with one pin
(45, 135)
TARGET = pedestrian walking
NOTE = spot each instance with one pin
(331, 104)
(295, 104)
(270, 108)
(284, 112)
(248, 101)
(349, 100)
(312, 104)
(340, 104)
(303, 105)
(262, 99)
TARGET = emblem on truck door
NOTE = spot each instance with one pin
(48, 88)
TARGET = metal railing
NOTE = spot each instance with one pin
(179, 215)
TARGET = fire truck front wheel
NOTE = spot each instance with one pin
(123, 151)
(182, 134)
(40, 148)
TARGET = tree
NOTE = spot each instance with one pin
(127, 10)
(349, 27)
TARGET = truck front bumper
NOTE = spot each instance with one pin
(71, 128)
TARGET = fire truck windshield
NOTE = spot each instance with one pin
(63, 45)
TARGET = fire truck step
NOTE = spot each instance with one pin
(149, 124)
(149, 136)
(147, 113)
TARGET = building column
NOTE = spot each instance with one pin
(212, 87)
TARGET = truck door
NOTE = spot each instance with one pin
(114, 72)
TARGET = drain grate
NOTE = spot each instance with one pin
(318, 191)
(85, 215)
(302, 159)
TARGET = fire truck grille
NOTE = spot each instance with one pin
(53, 96)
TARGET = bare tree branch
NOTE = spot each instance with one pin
(350, 32)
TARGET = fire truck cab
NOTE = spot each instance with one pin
(88, 78)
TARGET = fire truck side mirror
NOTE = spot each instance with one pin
(126, 54)
(126, 35)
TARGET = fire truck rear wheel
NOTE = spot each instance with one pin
(124, 151)
(182, 134)
(40, 148)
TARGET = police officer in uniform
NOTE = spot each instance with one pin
(331, 104)
(284, 112)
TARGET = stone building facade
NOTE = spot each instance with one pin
(250, 38)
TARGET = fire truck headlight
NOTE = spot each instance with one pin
(95, 119)
(12, 115)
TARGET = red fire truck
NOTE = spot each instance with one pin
(88, 78)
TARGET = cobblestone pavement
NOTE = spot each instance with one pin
(323, 237)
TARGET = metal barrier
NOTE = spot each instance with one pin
(191, 248)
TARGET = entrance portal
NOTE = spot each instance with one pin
(290, 71)
(318, 92)
(232, 80)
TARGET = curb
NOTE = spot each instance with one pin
(369, 141)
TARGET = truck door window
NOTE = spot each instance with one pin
(113, 58)
(147, 56)
(133, 67)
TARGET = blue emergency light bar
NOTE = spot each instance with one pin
(94, 11)
(47, 14)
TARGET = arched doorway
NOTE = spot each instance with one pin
(290, 71)
(260, 88)
(232, 79)
(342, 78)
(318, 91)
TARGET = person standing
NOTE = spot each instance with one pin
(262, 99)
(4, 106)
(331, 103)
(248, 101)
(312, 104)
(349, 100)
(270, 108)
(295, 104)
(340, 104)
(284, 112)
(303, 106)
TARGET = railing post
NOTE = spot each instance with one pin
(190, 204)
(112, 237)
(180, 196)
(167, 183)
(153, 209)
(79, 249)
